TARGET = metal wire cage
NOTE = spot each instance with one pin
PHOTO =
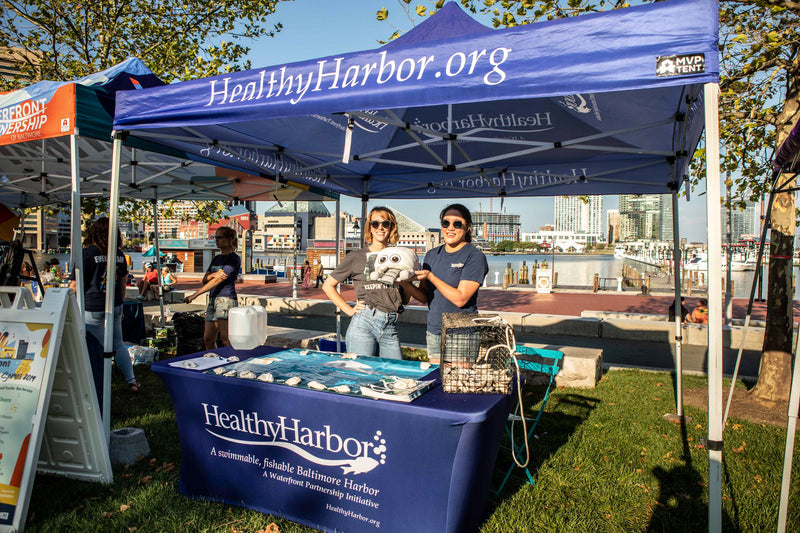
(477, 353)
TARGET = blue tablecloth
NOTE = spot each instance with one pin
(336, 462)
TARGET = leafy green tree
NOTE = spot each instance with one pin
(759, 104)
(65, 40)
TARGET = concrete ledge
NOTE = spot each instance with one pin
(580, 368)
(293, 338)
(638, 330)
(626, 316)
(560, 325)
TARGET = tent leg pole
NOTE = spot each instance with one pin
(713, 214)
(364, 200)
(158, 258)
(111, 266)
(676, 269)
(338, 286)
(75, 222)
(791, 429)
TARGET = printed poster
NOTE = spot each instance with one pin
(23, 354)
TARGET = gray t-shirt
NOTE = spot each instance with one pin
(386, 298)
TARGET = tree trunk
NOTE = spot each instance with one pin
(775, 374)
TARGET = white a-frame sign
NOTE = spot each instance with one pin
(47, 400)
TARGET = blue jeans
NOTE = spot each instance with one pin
(94, 325)
(371, 328)
(434, 345)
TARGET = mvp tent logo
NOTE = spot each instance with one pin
(683, 65)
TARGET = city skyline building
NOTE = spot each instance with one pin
(612, 226)
(580, 215)
(491, 228)
(645, 217)
(744, 223)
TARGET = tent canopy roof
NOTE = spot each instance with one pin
(606, 103)
(36, 123)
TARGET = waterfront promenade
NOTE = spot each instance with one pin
(516, 300)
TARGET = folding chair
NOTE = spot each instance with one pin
(551, 370)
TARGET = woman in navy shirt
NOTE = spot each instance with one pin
(95, 284)
(220, 284)
(451, 275)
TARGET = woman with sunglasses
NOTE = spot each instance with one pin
(451, 275)
(220, 284)
(374, 317)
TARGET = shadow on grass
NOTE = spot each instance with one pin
(680, 496)
(552, 432)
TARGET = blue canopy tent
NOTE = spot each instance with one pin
(607, 103)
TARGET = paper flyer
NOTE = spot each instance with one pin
(23, 354)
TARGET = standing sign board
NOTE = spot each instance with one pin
(47, 399)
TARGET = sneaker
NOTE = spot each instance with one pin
(140, 297)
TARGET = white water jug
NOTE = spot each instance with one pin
(247, 326)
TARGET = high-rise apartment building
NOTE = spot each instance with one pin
(645, 217)
(743, 222)
(579, 214)
(491, 228)
(612, 226)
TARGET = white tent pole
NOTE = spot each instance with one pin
(338, 285)
(713, 219)
(75, 221)
(791, 429)
(111, 269)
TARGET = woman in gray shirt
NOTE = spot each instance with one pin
(373, 321)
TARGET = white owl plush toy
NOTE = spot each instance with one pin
(392, 264)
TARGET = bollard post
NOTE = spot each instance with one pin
(505, 281)
(596, 282)
(555, 279)
(619, 284)
(497, 278)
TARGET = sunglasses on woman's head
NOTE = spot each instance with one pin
(457, 224)
(375, 224)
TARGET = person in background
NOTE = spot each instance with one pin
(700, 313)
(320, 275)
(55, 269)
(95, 283)
(373, 323)
(451, 275)
(168, 279)
(148, 283)
(219, 282)
(305, 275)
(685, 316)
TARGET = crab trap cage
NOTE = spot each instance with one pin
(477, 353)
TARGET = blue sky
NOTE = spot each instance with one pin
(316, 28)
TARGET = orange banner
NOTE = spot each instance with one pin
(39, 118)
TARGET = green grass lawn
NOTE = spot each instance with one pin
(603, 460)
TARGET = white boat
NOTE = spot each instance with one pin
(699, 262)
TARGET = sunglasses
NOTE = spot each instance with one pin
(386, 224)
(457, 224)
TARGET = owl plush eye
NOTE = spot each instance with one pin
(382, 259)
(395, 258)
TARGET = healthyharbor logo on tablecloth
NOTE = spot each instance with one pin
(351, 454)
